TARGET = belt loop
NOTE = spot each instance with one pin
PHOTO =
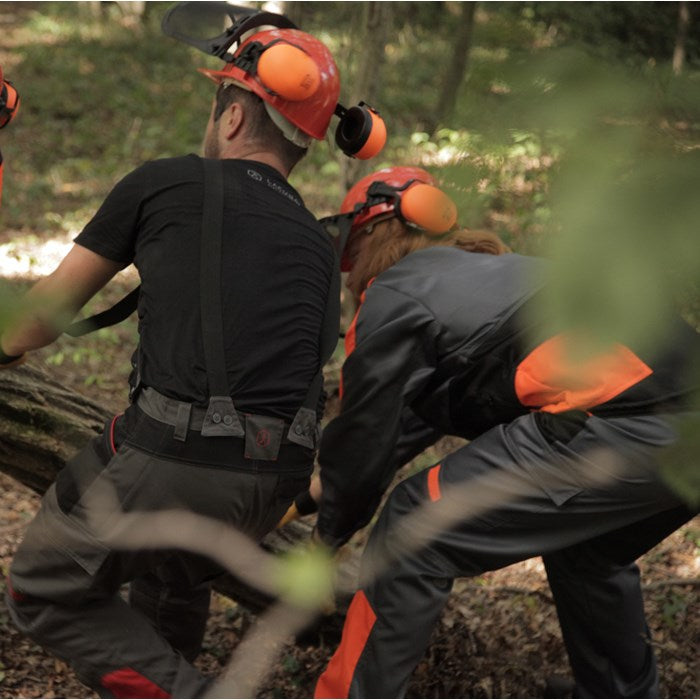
(182, 421)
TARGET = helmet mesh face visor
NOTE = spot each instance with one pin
(214, 27)
(338, 227)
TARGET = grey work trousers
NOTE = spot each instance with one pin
(66, 575)
(589, 512)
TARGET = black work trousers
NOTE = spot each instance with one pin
(590, 506)
(66, 576)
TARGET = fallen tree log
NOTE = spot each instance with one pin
(43, 424)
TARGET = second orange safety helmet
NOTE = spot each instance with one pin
(406, 192)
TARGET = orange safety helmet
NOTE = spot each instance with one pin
(9, 101)
(291, 71)
(9, 104)
(407, 193)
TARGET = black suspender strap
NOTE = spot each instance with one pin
(221, 418)
(115, 314)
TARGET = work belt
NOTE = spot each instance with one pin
(154, 424)
(263, 435)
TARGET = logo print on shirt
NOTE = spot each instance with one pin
(255, 175)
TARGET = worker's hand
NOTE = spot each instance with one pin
(305, 503)
(291, 514)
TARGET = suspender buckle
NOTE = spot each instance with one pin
(221, 419)
(304, 429)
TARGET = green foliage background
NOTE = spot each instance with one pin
(571, 138)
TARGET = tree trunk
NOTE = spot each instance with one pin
(454, 76)
(367, 77)
(681, 35)
(133, 8)
(43, 424)
(295, 11)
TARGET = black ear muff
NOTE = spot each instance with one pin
(361, 132)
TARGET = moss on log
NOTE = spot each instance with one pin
(42, 424)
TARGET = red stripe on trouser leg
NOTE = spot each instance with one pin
(127, 683)
(335, 680)
(111, 434)
(15, 595)
(434, 483)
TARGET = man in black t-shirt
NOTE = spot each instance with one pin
(238, 292)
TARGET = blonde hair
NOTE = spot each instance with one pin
(391, 240)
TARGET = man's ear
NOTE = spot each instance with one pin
(233, 119)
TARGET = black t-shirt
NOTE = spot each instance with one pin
(276, 271)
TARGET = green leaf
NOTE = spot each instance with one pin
(305, 577)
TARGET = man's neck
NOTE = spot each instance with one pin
(258, 155)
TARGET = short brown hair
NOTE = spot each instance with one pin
(391, 240)
(260, 128)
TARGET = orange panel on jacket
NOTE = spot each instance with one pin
(551, 380)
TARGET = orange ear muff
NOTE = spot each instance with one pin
(376, 139)
(9, 103)
(361, 132)
(428, 208)
(289, 72)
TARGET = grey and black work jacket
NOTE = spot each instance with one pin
(453, 342)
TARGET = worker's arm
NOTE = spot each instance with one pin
(392, 361)
(53, 301)
(305, 503)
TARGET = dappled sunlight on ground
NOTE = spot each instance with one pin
(29, 257)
